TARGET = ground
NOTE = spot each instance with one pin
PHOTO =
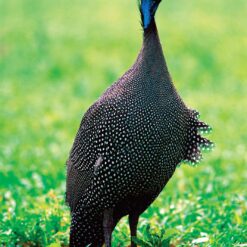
(57, 57)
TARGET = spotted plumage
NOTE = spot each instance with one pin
(129, 144)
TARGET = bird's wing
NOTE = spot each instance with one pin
(96, 134)
(83, 155)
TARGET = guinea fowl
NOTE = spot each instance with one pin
(129, 144)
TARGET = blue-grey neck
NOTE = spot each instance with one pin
(150, 62)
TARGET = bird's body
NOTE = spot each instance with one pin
(128, 146)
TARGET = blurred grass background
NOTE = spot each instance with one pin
(57, 57)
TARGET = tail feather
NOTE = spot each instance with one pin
(86, 228)
(197, 143)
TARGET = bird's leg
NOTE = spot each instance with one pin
(133, 221)
(108, 225)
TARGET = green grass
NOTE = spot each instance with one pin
(57, 57)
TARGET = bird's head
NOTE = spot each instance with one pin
(148, 9)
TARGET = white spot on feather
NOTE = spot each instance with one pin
(97, 165)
